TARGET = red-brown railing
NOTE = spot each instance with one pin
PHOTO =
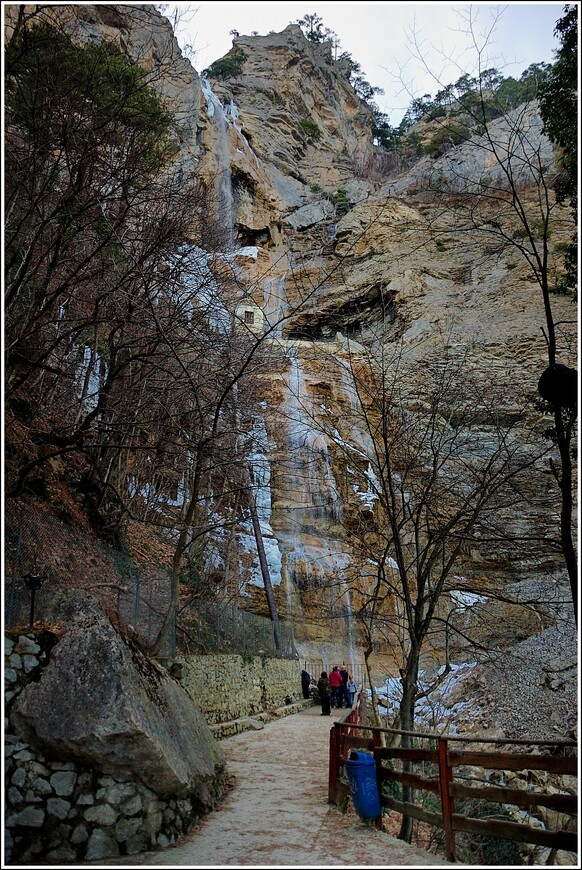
(348, 733)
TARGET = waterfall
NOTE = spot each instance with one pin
(313, 557)
(232, 114)
(223, 182)
(275, 303)
(309, 462)
(261, 478)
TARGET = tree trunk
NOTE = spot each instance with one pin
(409, 688)
(179, 551)
(374, 702)
(565, 484)
(265, 574)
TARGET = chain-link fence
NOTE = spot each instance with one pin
(43, 554)
(218, 627)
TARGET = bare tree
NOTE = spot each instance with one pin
(441, 474)
(119, 328)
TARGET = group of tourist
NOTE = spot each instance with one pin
(336, 690)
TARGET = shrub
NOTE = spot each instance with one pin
(313, 132)
(562, 246)
(341, 202)
(446, 137)
(227, 67)
(437, 112)
(479, 848)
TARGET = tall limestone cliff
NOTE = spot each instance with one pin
(335, 252)
(345, 251)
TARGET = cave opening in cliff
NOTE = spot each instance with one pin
(350, 318)
(249, 238)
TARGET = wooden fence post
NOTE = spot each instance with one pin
(376, 744)
(333, 764)
(447, 803)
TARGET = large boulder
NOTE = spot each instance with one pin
(101, 702)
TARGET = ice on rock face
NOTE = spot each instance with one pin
(436, 706)
(89, 376)
(261, 473)
(310, 475)
(302, 552)
(464, 599)
(250, 251)
(261, 480)
(201, 284)
(248, 545)
(275, 303)
(371, 495)
(213, 104)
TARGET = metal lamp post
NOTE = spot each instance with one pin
(33, 583)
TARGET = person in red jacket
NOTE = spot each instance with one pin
(335, 682)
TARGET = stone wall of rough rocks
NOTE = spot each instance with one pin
(228, 687)
(61, 811)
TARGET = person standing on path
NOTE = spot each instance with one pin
(324, 690)
(343, 671)
(305, 683)
(335, 682)
(351, 690)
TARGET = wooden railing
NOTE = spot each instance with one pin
(444, 781)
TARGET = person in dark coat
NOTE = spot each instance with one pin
(324, 690)
(344, 699)
(305, 683)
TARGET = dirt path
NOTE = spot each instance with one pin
(277, 813)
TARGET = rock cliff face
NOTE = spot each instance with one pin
(392, 258)
(333, 253)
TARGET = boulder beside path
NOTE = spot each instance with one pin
(103, 703)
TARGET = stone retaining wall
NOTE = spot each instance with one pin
(229, 687)
(63, 812)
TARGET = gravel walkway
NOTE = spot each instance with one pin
(277, 813)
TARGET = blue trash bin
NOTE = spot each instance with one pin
(361, 773)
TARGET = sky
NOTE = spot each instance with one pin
(381, 36)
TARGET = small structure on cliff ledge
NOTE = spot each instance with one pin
(250, 315)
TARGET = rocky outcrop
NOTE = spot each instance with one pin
(102, 703)
(482, 161)
(301, 116)
(386, 257)
(148, 39)
(106, 753)
(291, 122)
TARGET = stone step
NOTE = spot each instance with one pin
(222, 730)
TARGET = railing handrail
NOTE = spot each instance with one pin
(447, 788)
(460, 738)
